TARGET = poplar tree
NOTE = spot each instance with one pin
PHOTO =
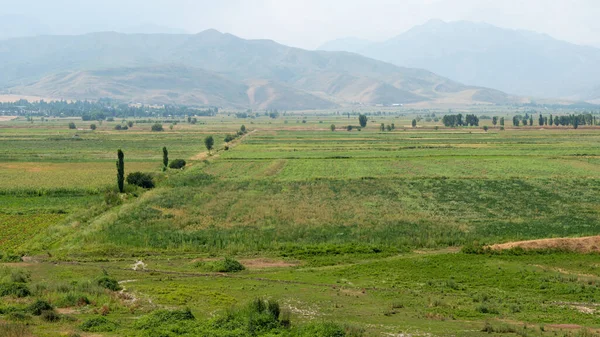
(165, 157)
(121, 171)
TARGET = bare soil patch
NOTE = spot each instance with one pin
(564, 326)
(267, 263)
(7, 118)
(590, 244)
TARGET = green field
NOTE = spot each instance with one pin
(353, 233)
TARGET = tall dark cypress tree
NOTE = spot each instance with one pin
(165, 157)
(121, 171)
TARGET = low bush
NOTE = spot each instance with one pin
(14, 289)
(161, 317)
(177, 164)
(18, 316)
(157, 127)
(98, 324)
(50, 316)
(227, 265)
(14, 330)
(140, 179)
(38, 307)
(109, 283)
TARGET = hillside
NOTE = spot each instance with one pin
(519, 62)
(153, 68)
(170, 84)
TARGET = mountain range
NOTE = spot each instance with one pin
(217, 69)
(515, 61)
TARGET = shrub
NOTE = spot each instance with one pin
(36, 308)
(18, 275)
(229, 265)
(14, 330)
(229, 138)
(322, 330)
(98, 324)
(50, 316)
(112, 198)
(109, 283)
(14, 289)
(157, 127)
(487, 309)
(140, 179)
(177, 164)
(93, 127)
(161, 317)
(72, 126)
(18, 316)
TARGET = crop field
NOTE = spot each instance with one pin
(352, 233)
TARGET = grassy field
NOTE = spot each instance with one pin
(352, 233)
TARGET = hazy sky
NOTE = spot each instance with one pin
(309, 23)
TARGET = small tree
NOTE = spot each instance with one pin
(93, 127)
(414, 123)
(502, 121)
(165, 157)
(121, 171)
(382, 127)
(157, 127)
(332, 127)
(209, 142)
(362, 119)
(349, 128)
(485, 128)
(72, 126)
(243, 129)
(494, 120)
(130, 124)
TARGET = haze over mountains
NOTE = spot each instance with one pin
(211, 68)
(518, 62)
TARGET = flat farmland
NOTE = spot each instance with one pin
(380, 233)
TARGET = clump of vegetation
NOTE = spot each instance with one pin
(72, 126)
(50, 316)
(177, 164)
(14, 289)
(109, 283)
(227, 265)
(38, 307)
(162, 317)
(157, 127)
(140, 179)
(98, 324)
(13, 282)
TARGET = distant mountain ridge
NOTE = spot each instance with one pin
(212, 68)
(514, 61)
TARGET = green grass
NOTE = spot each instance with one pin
(364, 228)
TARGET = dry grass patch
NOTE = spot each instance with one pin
(589, 244)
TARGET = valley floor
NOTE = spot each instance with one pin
(361, 233)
